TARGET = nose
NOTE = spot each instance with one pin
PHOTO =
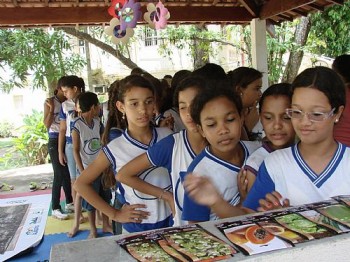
(222, 129)
(277, 124)
(305, 119)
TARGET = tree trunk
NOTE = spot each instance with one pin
(301, 33)
(200, 58)
(88, 62)
(109, 49)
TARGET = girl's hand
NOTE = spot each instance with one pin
(272, 201)
(167, 122)
(169, 198)
(242, 183)
(62, 159)
(50, 104)
(201, 189)
(130, 214)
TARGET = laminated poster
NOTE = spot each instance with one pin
(189, 243)
(338, 212)
(251, 238)
(343, 199)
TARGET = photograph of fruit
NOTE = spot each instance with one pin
(282, 232)
(301, 225)
(340, 213)
(148, 251)
(324, 221)
(254, 239)
(198, 245)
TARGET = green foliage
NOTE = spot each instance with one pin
(330, 31)
(44, 54)
(32, 144)
(6, 129)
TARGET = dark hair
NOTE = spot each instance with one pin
(137, 71)
(125, 85)
(58, 85)
(211, 72)
(281, 89)
(325, 80)
(178, 77)
(341, 65)
(72, 80)
(188, 82)
(213, 91)
(243, 76)
(87, 100)
(113, 120)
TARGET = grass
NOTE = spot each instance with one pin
(6, 142)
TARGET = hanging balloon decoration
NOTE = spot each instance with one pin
(115, 9)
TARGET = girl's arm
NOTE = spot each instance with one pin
(203, 191)
(128, 175)
(76, 150)
(62, 142)
(49, 108)
(83, 185)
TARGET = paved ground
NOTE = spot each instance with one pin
(21, 177)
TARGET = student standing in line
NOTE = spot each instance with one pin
(136, 104)
(217, 112)
(247, 83)
(278, 129)
(61, 177)
(313, 170)
(72, 86)
(174, 152)
(86, 136)
(341, 65)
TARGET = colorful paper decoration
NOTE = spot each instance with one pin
(157, 16)
(115, 9)
(118, 34)
(130, 14)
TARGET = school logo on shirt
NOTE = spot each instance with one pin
(92, 146)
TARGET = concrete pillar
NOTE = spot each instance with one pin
(259, 48)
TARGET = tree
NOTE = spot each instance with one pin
(45, 55)
(330, 31)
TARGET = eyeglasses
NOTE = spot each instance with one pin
(312, 116)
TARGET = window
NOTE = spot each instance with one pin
(150, 37)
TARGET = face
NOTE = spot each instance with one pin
(97, 110)
(277, 125)
(69, 93)
(185, 99)
(251, 94)
(221, 125)
(138, 106)
(312, 100)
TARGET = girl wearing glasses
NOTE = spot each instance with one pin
(315, 169)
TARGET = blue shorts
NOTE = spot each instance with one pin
(72, 167)
(104, 193)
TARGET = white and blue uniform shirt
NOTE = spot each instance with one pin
(175, 154)
(286, 171)
(224, 177)
(257, 157)
(90, 142)
(67, 113)
(54, 129)
(123, 149)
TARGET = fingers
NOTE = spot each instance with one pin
(135, 214)
(273, 200)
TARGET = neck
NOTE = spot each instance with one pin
(197, 141)
(142, 134)
(87, 117)
(318, 150)
(235, 156)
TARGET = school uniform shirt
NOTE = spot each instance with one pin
(224, 177)
(257, 157)
(175, 154)
(286, 171)
(67, 113)
(54, 129)
(119, 152)
(90, 139)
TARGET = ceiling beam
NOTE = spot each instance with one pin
(250, 6)
(98, 15)
(317, 7)
(299, 12)
(337, 2)
(275, 7)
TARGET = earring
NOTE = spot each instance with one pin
(336, 121)
(241, 94)
(123, 117)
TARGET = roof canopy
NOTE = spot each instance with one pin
(19, 13)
